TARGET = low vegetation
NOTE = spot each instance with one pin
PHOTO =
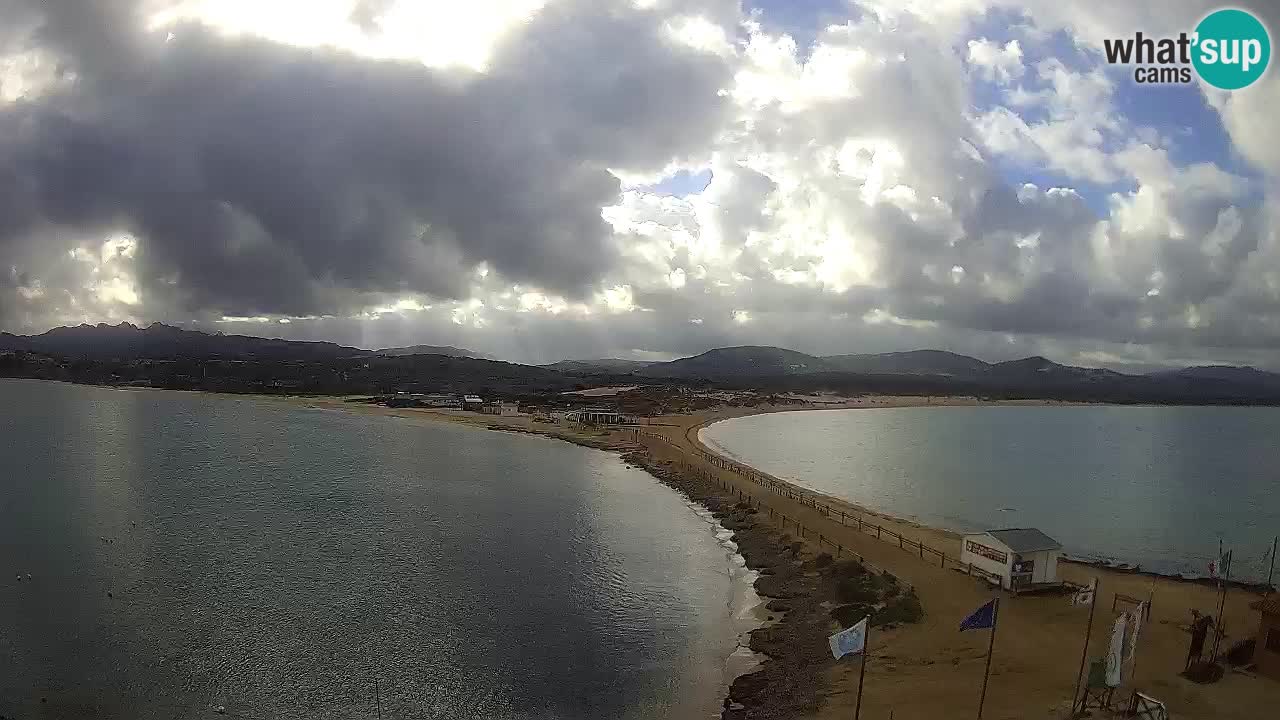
(878, 595)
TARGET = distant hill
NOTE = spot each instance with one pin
(914, 362)
(745, 361)
(1040, 369)
(600, 366)
(1225, 375)
(446, 350)
(158, 342)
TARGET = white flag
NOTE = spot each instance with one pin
(849, 642)
(1084, 596)
(1116, 652)
(1137, 628)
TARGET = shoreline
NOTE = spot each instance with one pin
(1100, 562)
(1045, 649)
(922, 670)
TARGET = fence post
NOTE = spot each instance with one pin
(879, 531)
(944, 560)
(922, 550)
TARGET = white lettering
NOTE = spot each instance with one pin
(1252, 54)
(1230, 51)
(1209, 51)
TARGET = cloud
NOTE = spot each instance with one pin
(996, 63)
(264, 178)
(913, 176)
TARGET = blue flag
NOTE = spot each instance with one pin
(983, 617)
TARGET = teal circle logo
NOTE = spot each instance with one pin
(1232, 49)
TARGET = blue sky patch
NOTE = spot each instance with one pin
(682, 184)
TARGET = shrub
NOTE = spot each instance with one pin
(848, 569)
(857, 590)
(849, 615)
(905, 608)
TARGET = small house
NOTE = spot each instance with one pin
(1266, 649)
(497, 407)
(1022, 558)
(473, 403)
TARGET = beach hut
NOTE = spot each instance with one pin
(1022, 558)
(1266, 650)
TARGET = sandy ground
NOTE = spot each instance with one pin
(931, 670)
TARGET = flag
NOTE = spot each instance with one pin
(1084, 596)
(1115, 653)
(1220, 565)
(1137, 614)
(849, 642)
(983, 617)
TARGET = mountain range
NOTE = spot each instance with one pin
(931, 371)
(158, 341)
(446, 350)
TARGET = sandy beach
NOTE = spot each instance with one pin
(930, 670)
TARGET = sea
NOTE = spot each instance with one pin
(1166, 488)
(182, 555)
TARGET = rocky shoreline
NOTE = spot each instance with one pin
(808, 596)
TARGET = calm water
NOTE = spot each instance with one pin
(1153, 485)
(189, 551)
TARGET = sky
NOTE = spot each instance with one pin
(548, 179)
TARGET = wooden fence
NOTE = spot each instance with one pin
(791, 492)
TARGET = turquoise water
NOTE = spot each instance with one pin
(190, 551)
(1154, 485)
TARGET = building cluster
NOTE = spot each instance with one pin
(472, 403)
(600, 416)
(477, 404)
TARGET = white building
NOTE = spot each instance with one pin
(497, 407)
(600, 416)
(1022, 558)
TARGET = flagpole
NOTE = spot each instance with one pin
(862, 673)
(1133, 671)
(995, 620)
(1272, 572)
(1222, 607)
(1084, 654)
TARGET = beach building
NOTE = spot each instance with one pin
(407, 399)
(1266, 649)
(497, 407)
(600, 416)
(1023, 558)
(473, 403)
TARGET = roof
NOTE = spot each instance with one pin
(1269, 605)
(1025, 540)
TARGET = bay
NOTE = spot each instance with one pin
(1159, 486)
(188, 551)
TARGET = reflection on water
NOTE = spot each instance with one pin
(190, 551)
(1156, 485)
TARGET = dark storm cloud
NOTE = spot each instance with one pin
(261, 178)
